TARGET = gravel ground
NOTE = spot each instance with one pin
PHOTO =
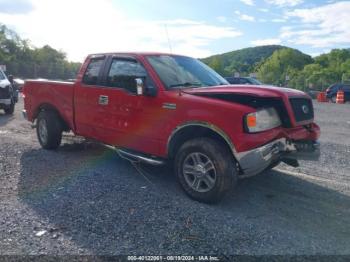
(84, 199)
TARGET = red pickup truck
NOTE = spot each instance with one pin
(156, 108)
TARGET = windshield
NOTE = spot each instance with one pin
(182, 72)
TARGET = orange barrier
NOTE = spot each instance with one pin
(340, 97)
(321, 97)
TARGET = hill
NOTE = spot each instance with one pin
(243, 60)
(284, 66)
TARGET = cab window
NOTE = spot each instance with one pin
(92, 72)
(123, 72)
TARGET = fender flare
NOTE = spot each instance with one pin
(49, 106)
(204, 124)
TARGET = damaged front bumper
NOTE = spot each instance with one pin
(257, 160)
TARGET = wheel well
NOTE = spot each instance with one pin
(48, 107)
(191, 132)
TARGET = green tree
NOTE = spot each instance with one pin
(217, 64)
(284, 62)
(24, 60)
(243, 61)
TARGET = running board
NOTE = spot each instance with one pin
(133, 156)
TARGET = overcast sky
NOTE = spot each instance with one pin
(197, 28)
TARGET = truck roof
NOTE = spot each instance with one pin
(134, 53)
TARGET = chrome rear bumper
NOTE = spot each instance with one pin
(257, 160)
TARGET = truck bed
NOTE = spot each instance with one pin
(39, 93)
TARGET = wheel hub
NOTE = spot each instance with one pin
(199, 172)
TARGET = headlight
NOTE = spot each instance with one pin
(262, 120)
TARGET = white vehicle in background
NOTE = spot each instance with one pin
(18, 84)
(8, 95)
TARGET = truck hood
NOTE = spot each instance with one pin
(248, 90)
(4, 83)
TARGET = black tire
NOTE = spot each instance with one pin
(224, 169)
(333, 99)
(51, 121)
(11, 109)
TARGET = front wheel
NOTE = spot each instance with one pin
(205, 169)
(49, 130)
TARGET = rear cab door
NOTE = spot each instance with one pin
(108, 109)
(89, 97)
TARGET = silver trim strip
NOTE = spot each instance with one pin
(169, 106)
(144, 159)
(134, 156)
(207, 125)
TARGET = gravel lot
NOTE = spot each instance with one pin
(84, 199)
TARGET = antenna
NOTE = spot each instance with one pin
(167, 35)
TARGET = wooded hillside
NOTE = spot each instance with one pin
(283, 66)
(26, 61)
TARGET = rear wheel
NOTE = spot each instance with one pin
(49, 130)
(11, 109)
(205, 169)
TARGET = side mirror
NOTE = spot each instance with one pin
(139, 86)
(145, 89)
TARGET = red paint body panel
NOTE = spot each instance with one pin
(56, 94)
(258, 91)
(142, 123)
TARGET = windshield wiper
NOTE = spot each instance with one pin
(186, 84)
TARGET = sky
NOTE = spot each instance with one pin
(198, 28)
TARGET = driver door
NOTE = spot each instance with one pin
(126, 119)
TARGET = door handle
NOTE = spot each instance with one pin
(103, 100)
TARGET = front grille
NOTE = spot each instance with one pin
(4, 93)
(302, 108)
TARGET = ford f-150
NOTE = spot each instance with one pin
(158, 108)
